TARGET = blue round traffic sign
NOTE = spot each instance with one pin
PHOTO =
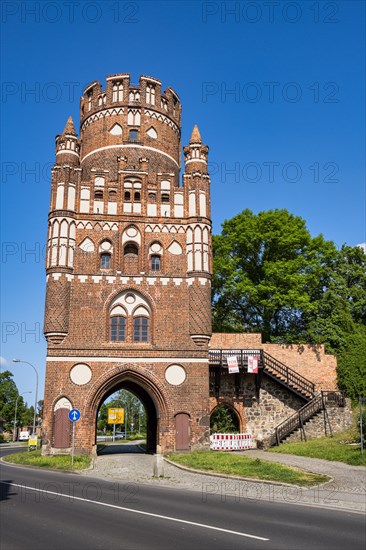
(74, 415)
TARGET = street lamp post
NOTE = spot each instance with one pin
(15, 414)
(35, 403)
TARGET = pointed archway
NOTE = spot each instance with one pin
(144, 386)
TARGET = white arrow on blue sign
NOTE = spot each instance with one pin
(74, 415)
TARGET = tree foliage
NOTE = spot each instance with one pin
(9, 395)
(224, 420)
(134, 412)
(271, 276)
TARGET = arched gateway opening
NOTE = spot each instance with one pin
(147, 390)
(150, 409)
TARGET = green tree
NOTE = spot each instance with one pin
(8, 396)
(134, 412)
(102, 422)
(271, 276)
(224, 420)
(263, 266)
(352, 363)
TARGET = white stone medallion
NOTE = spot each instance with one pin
(80, 374)
(175, 375)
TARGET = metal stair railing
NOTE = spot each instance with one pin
(310, 409)
(271, 366)
(296, 421)
(217, 357)
(287, 376)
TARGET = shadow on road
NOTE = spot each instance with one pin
(5, 491)
(122, 448)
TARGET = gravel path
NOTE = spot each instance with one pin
(346, 491)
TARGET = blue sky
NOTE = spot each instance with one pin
(276, 88)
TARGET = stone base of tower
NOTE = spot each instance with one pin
(174, 392)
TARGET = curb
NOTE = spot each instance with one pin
(253, 479)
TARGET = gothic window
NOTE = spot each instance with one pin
(140, 329)
(118, 328)
(112, 195)
(151, 132)
(155, 262)
(134, 135)
(117, 92)
(129, 318)
(116, 130)
(98, 195)
(131, 249)
(127, 195)
(105, 261)
(152, 197)
(150, 94)
(99, 181)
(165, 197)
(134, 96)
(137, 196)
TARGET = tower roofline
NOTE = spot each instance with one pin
(195, 136)
(69, 129)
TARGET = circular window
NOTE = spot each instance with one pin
(155, 247)
(175, 375)
(131, 231)
(80, 374)
(106, 245)
(130, 298)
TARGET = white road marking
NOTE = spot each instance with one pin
(131, 510)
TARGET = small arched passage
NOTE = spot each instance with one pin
(146, 390)
(224, 419)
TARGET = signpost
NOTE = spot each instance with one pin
(32, 442)
(74, 416)
(115, 416)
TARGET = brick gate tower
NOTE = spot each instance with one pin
(128, 269)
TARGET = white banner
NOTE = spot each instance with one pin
(232, 364)
(253, 361)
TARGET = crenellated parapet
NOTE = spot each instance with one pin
(119, 92)
(125, 118)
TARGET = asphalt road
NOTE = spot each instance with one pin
(46, 509)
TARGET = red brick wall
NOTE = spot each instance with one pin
(310, 361)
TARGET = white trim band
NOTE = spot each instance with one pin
(69, 151)
(128, 146)
(195, 160)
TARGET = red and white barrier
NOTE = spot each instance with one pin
(231, 442)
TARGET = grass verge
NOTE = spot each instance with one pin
(339, 448)
(233, 464)
(58, 462)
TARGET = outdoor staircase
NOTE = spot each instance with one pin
(272, 367)
(298, 420)
(288, 377)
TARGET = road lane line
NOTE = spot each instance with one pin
(178, 520)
